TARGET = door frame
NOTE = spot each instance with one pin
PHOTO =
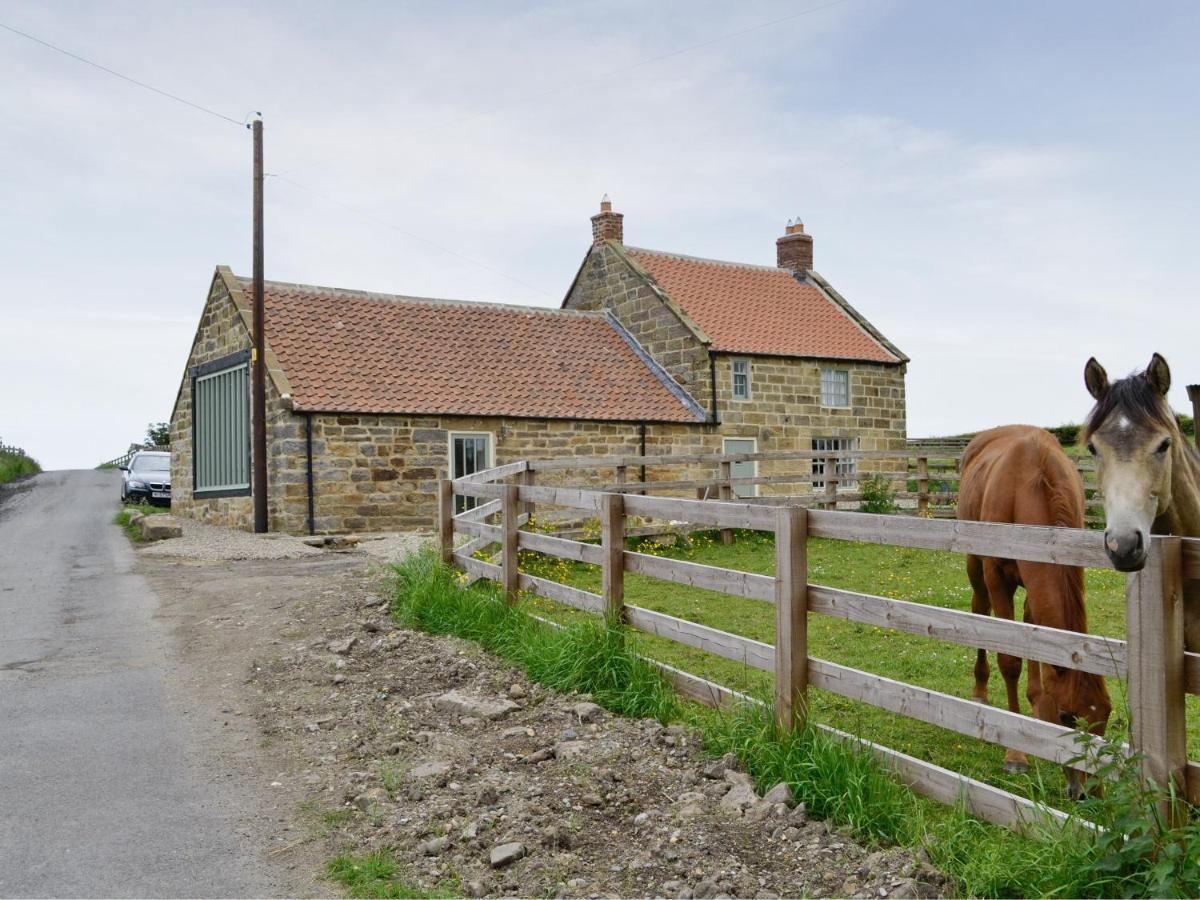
(752, 488)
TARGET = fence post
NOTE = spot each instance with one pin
(622, 474)
(922, 484)
(446, 520)
(528, 479)
(791, 616)
(612, 540)
(1154, 624)
(725, 493)
(831, 482)
(510, 510)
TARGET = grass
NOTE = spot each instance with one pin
(133, 532)
(936, 578)
(378, 874)
(836, 780)
(14, 464)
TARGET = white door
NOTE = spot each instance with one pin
(747, 469)
(469, 453)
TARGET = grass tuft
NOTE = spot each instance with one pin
(133, 532)
(378, 875)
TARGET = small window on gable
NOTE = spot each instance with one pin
(740, 369)
(835, 387)
(221, 431)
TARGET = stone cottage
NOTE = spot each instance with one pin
(371, 398)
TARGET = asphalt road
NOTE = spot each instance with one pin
(104, 788)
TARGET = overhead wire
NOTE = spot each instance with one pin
(122, 76)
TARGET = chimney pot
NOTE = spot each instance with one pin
(606, 224)
(794, 250)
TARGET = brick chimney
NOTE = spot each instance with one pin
(606, 224)
(795, 249)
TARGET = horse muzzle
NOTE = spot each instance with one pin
(1126, 549)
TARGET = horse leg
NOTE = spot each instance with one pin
(980, 605)
(1001, 590)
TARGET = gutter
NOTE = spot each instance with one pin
(712, 374)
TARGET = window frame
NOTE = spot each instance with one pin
(733, 376)
(846, 469)
(462, 504)
(203, 372)
(821, 379)
(752, 488)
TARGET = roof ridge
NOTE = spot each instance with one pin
(709, 260)
(412, 299)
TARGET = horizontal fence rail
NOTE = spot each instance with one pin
(1152, 659)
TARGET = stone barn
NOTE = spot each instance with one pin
(371, 398)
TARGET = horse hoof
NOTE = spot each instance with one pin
(1016, 768)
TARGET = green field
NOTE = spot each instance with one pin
(15, 463)
(936, 578)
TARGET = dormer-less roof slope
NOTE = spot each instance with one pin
(351, 351)
(764, 310)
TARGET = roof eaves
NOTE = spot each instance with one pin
(688, 322)
(234, 285)
(659, 372)
(859, 319)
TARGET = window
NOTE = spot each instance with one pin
(740, 369)
(835, 387)
(747, 469)
(470, 452)
(846, 468)
(221, 428)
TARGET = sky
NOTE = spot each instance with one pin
(1003, 189)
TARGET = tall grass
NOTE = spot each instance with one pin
(15, 463)
(1134, 854)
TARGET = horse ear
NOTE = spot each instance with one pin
(1095, 378)
(1158, 373)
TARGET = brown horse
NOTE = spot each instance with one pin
(1019, 474)
(1148, 473)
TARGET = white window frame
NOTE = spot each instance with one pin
(745, 490)
(462, 504)
(847, 469)
(733, 376)
(837, 370)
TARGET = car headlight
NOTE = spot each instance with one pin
(137, 485)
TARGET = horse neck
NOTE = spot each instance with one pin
(1183, 515)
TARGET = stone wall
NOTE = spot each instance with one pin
(223, 331)
(610, 280)
(784, 411)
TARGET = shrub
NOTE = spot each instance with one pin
(878, 495)
(15, 463)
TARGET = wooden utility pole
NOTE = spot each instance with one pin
(259, 384)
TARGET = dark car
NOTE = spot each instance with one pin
(147, 478)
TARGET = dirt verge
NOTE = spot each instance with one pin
(483, 783)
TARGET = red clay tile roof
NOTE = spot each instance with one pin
(348, 351)
(758, 309)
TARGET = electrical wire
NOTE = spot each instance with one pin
(116, 74)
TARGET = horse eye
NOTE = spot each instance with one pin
(1164, 446)
(1091, 448)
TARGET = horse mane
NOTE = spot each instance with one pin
(1065, 510)
(1137, 399)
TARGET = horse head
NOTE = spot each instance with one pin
(1130, 432)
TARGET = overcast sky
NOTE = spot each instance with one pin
(1004, 189)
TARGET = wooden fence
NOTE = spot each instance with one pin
(1158, 670)
(933, 475)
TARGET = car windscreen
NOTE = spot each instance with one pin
(152, 464)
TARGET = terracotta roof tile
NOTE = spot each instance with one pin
(347, 351)
(758, 309)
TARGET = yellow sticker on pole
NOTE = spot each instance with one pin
(253, 354)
